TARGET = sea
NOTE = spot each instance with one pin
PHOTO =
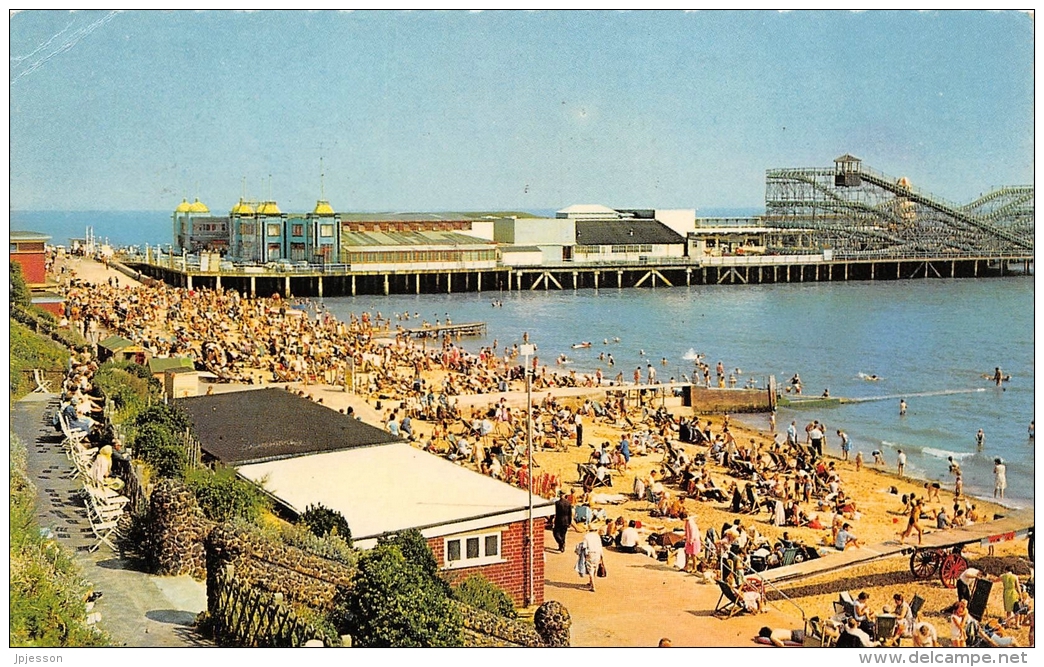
(929, 342)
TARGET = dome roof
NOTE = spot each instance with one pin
(268, 208)
(198, 207)
(322, 207)
(242, 208)
(183, 207)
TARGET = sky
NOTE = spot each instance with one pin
(416, 111)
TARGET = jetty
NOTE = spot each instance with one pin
(455, 330)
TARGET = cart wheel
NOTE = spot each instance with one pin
(924, 563)
(953, 566)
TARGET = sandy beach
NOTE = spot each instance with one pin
(644, 599)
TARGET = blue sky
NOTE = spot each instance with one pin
(507, 110)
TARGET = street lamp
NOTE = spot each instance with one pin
(527, 351)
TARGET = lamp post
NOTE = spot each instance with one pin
(527, 350)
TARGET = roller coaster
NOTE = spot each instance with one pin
(860, 212)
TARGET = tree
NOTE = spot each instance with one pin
(159, 447)
(323, 521)
(479, 592)
(20, 296)
(394, 603)
(416, 550)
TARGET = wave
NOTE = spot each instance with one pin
(690, 355)
(942, 453)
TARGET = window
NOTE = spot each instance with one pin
(326, 231)
(273, 230)
(472, 550)
(297, 229)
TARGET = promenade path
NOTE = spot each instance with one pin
(137, 609)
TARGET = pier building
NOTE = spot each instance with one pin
(845, 222)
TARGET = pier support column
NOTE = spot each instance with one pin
(217, 282)
(703, 276)
(830, 272)
(846, 270)
(898, 265)
(975, 271)
(478, 282)
(788, 273)
(286, 286)
(775, 279)
(872, 265)
(418, 283)
(449, 283)
(253, 285)
(574, 279)
(688, 277)
(953, 268)
(353, 285)
(320, 287)
(518, 281)
(759, 275)
(817, 273)
(596, 274)
(619, 278)
(188, 281)
(386, 284)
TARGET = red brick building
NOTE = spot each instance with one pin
(28, 249)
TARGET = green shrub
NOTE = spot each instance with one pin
(20, 296)
(170, 416)
(479, 592)
(129, 393)
(162, 449)
(394, 603)
(139, 371)
(416, 550)
(323, 521)
(47, 595)
(224, 496)
(331, 547)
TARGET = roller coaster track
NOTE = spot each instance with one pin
(1022, 193)
(835, 203)
(952, 210)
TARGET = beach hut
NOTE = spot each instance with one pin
(122, 349)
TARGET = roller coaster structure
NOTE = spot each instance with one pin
(861, 212)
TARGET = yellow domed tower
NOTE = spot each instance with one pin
(180, 225)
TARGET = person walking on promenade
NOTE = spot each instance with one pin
(693, 543)
(589, 552)
(563, 520)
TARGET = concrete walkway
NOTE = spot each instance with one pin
(137, 609)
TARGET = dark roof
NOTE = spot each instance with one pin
(116, 343)
(624, 232)
(266, 424)
(29, 236)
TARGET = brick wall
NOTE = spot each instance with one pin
(512, 574)
(33, 264)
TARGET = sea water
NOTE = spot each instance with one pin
(930, 342)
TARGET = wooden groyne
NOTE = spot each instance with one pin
(454, 330)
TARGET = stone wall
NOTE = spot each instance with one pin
(175, 530)
(275, 567)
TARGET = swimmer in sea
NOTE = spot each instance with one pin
(902, 407)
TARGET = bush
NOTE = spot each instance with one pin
(156, 445)
(129, 393)
(416, 550)
(223, 496)
(331, 547)
(479, 592)
(170, 416)
(323, 521)
(20, 296)
(394, 603)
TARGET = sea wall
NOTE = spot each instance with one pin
(717, 401)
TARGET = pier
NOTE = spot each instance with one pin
(342, 280)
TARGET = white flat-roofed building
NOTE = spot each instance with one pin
(472, 522)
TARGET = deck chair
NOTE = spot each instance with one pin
(789, 556)
(729, 602)
(41, 384)
(849, 604)
(104, 525)
(980, 596)
(885, 627)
